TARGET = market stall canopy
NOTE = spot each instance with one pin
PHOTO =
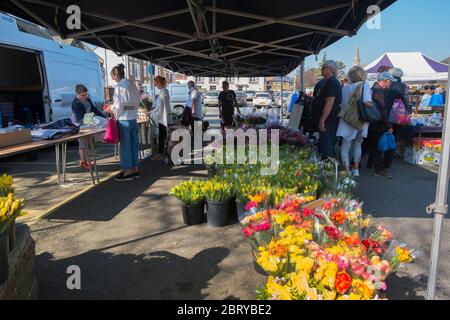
(416, 66)
(207, 37)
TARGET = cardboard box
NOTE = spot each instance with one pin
(425, 157)
(12, 138)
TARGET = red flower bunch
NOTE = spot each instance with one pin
(249, 231)
(333, 233)
(307, 212)
(343, 282)
(373, 245)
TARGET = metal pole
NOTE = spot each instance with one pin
(282, 99)
(58, 163)
(440, 207)
(302, 76)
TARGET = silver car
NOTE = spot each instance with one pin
(211, 99)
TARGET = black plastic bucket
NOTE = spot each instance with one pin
(232, 212)
(4, 257)
(218, 214)
(12, 236)
(258, 268)
(193, 215)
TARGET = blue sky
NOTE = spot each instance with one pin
(407, 25)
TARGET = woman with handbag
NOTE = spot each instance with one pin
(124, 109)
(351, 129)
(381, 160)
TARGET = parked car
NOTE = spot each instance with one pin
(262, 100)
(211, 99)
(250, 94)
(286, 96)
(241, 98)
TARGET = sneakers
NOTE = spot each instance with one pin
(85, 165)
(355, 173)
(383, 174)
(130, 177)
(122, 177)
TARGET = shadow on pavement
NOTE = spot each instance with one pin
(406, 288)
(104, 275)
(108, 199)
(405, 196)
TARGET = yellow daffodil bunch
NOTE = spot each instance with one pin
(189, 192)
(10, 208)
(6, 185)
(217, 190)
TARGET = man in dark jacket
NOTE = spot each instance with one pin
(377, 129)
(81, 105)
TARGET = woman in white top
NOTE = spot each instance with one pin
(124, 109)
(162, 109)
(350, 136)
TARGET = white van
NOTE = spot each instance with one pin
(38, 75)
(179, 94)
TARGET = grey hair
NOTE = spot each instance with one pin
(332, 65)
(397, 72)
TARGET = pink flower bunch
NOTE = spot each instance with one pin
(264, 226)
(251, 205)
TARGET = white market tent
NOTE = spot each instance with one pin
(416, 66)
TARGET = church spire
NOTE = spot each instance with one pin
(357, 58)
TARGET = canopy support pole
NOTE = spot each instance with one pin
(302, 76)
(282, 92)
(440, 207)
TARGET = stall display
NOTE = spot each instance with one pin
(324, 251)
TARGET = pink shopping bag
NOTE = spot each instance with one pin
(112, 132)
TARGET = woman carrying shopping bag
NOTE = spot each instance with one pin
(350, 128)
(124, 108)
(162, 109)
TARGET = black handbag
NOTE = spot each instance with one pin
(187, 119)
(369, 114)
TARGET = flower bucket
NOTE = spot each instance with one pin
(4, 257)
(233, 214)
(211, 172)
(256, 266)
(193, 215)
(218, 213)
(12, 236)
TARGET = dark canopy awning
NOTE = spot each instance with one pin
(207, 37)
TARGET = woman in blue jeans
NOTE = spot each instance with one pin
(124, 109)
